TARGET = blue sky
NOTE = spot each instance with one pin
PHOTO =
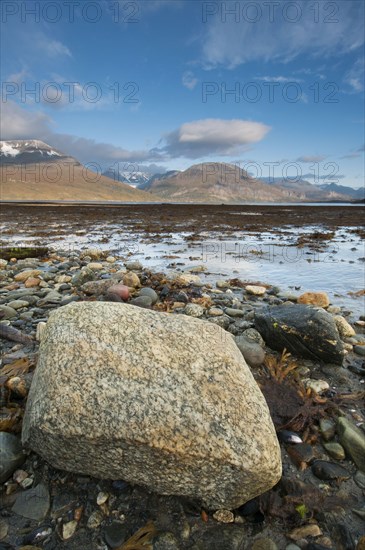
(172, 83)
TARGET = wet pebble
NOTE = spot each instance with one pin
(328, 470)
(328, 428)
(115, 534)
(11, 455)
(194, 310)
(152, 294)
(335, 450)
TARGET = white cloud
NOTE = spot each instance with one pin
(18, 123)
(189, 80)
(213, 137)
(356, 75)
(231, 42)
(281, 79)
(311, 158)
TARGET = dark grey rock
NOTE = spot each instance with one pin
(328, 470)
(253, 335)
(360, 350)
(221, 537)
(303, 330)
(166, 541)
(115, 534)
(83, 277)
(142, 301)
(34, 503)
(133, 265)
(252, 352)
(7, 312)
(11, 455)
(149, 292)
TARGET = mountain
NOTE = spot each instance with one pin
(33, 170)
(136, 179)
(221, 182)
(333, 189)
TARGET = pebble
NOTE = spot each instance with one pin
(310, 530)
(335, 450)
(33, 503)
(95, 519)
(166, 541)
(359, 479)
(63, 279)
(234, 312)
(4, 528)
(361, 543)
(353, 439)
(328, 470)
(111, 259)
(318, 386)
(215, 312)
(344, 328)
(7, 312)
(131, 280)
(11, 455)
(95, 266)
(253, 353)
(3, 263)
(115, 534)
(255, 290)
(301, 454)
(194, 310)
(253, 335)
(318, 299)
(142, 301)
(224, 516)
(222, 284)
(24, 275)
(18, 304)
(68, 529)
(134, 265)
(32, 282)
(328, 428)
(188, 278)
(119, 290)
(150, 293)
(360, 350)
(102, 498)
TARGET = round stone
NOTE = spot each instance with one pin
(115, 534)
(131, 280)
(318, 299)
(194, 310)
(11, 455)
(142, 301)
(149, 292)
(255, 290)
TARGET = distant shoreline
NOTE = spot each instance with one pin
(213, 204)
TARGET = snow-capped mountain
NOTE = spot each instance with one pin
(133, 178)
(27, 151)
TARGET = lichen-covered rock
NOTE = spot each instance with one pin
(165, 401)
(303, 330)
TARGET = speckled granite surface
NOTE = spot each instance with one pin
(160, 400)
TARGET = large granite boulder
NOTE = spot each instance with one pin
(162, 400)
(303, 330)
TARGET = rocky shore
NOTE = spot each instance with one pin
(302, 353)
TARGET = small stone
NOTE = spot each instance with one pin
(95, 519)
(142, 301)
(115, 534)
(133, 265)
(222, 284)
(40, 330)
(97, 287)
(11, 455)
(7, 312)
(95, 266)
(166, 541)
(194, 310)
(301, 454)
(328, 470)
(120, 290)
(335, 450)
(68, 529)
(92, 253)
(318, 299)
(232, 312)
(63, 279)
(34, 503)
(150, 293)
(131, 280)
(18, 386)
(215, 312)
(353, 439)
(361, 543)
(224, 516)
(3, 263)
(111, 260)
(253, 335)
(188, 279)
(20, 475)
(344, 328)
(252, 352)
(328, 428)
(24, 275)
(32, 282)
(255, 290)
(83, 277)
(264, 544)
(310, 530)
(102, 498)
(318, 386)
(18, 304)
(360, 350)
